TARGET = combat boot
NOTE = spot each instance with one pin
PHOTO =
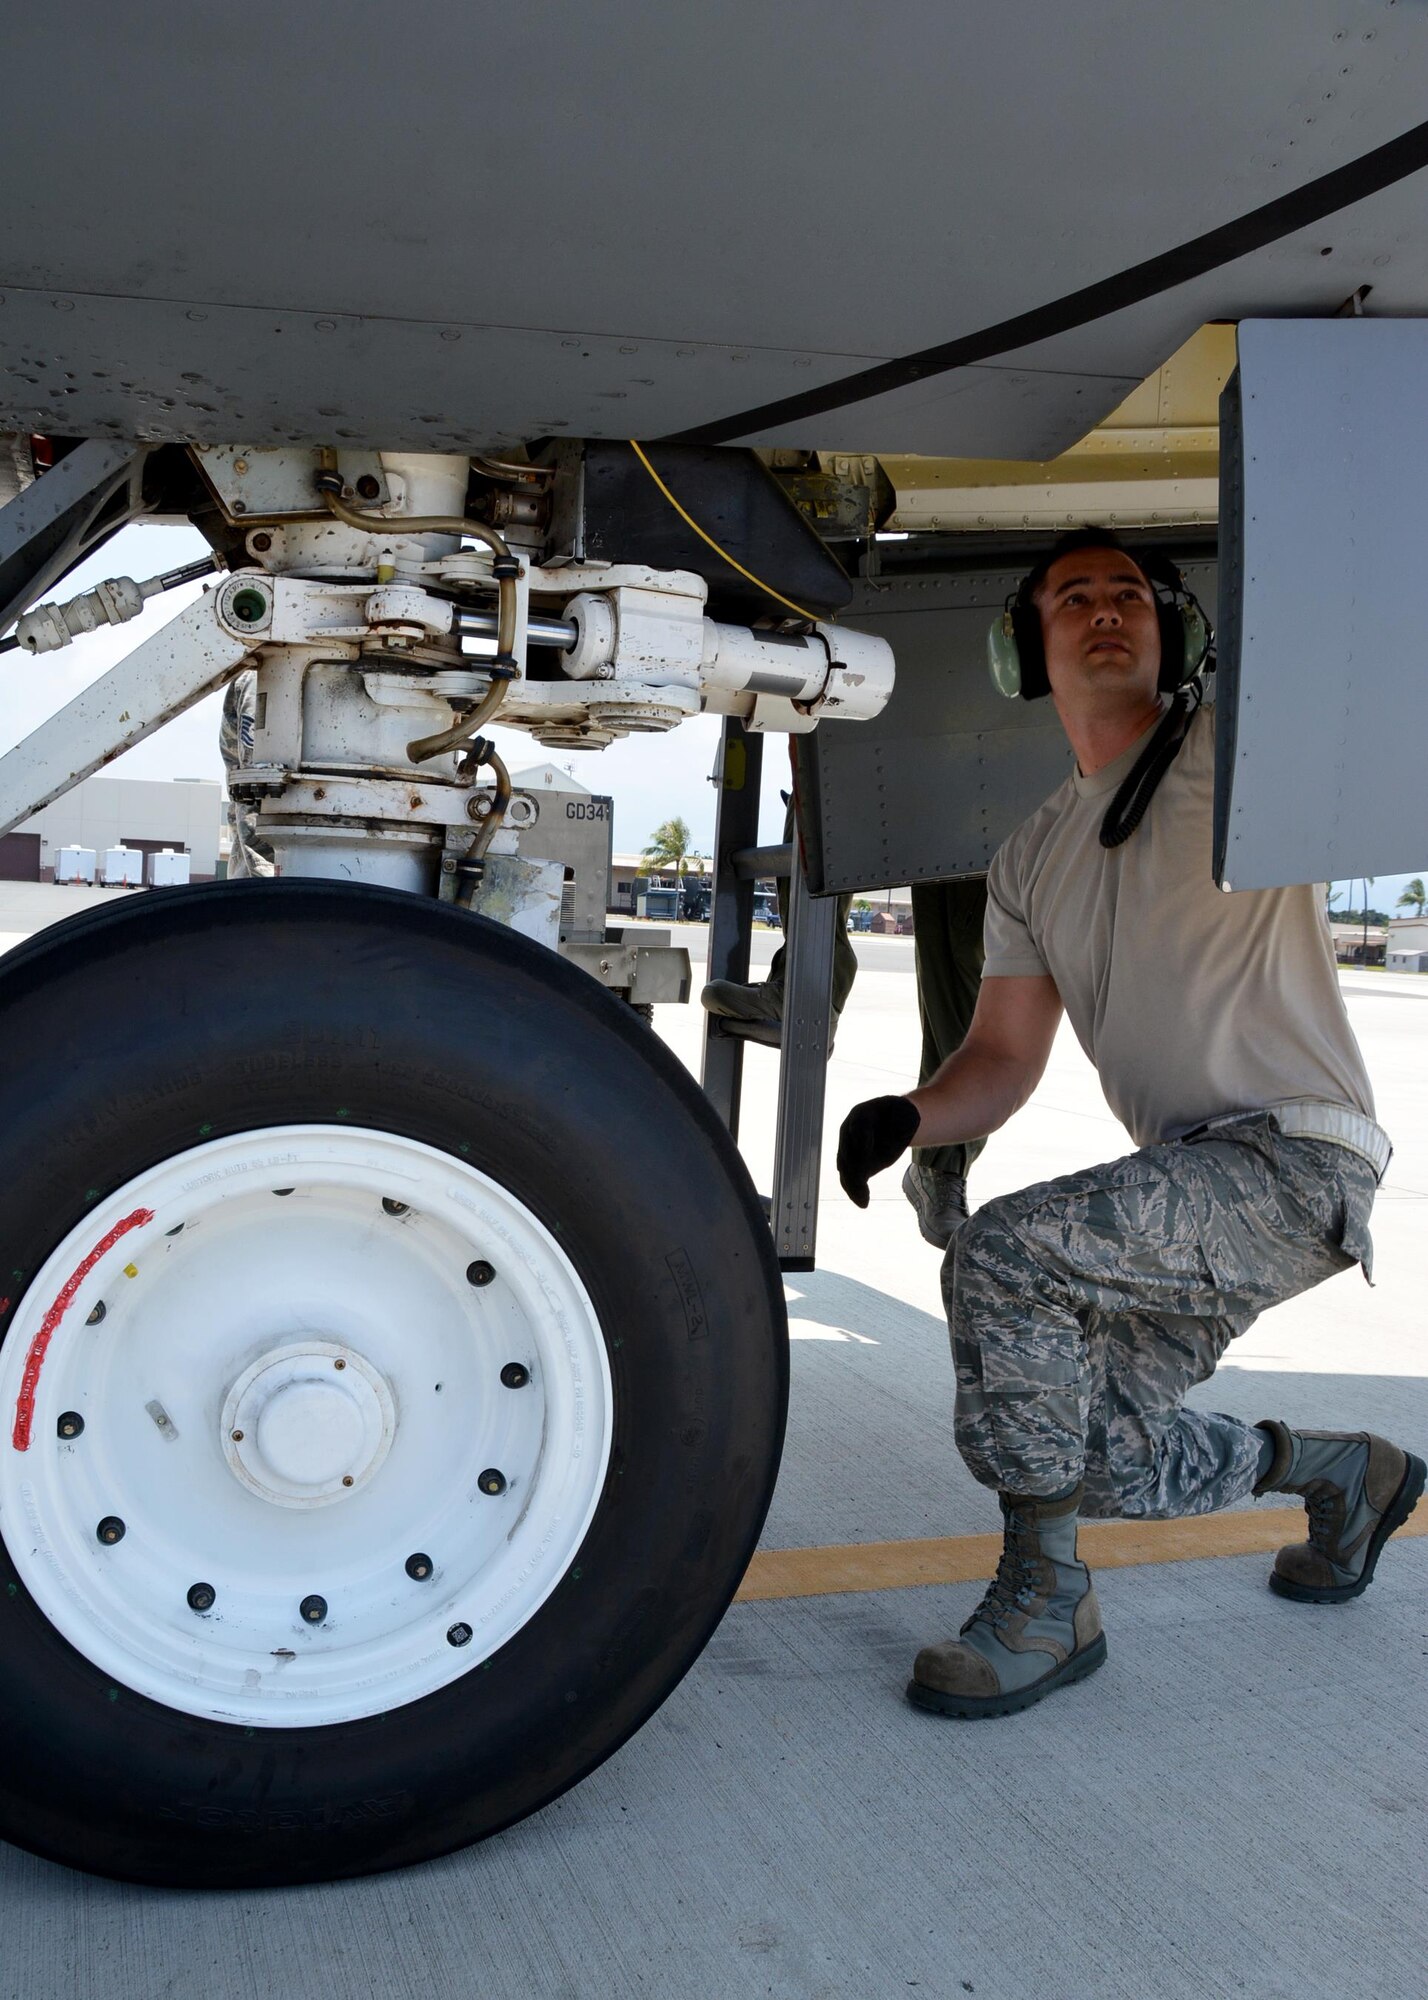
(758, 1007)
(1038, 1628)
(940, 1200)
(1357, 1488)
(734, 1000)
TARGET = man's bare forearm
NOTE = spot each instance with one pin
(976, 1090)
(973, 1093)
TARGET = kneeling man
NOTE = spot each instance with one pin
(1083, 1310)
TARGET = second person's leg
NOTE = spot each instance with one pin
(947, 920)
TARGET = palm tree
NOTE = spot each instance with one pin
(668, 847)
(1414, 897)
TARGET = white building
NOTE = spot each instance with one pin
(1408, 944)
(145, 813)
(546, 778)
(1408, 933)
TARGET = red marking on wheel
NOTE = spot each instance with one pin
(39, 1346)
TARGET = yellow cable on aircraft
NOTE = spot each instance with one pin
(690, 521)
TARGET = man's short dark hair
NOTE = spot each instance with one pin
(1067, 544)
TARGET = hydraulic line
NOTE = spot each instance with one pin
(508, 472)
(506, 567)
(422, 748)
(472, 865)
(505, 667)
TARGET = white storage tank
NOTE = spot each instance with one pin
(74, 864)
(167, 869)
(123, 868)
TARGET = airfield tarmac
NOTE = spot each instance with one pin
(1237, 1803)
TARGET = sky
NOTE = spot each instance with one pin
(651, 779)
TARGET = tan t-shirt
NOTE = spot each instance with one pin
(1190, 1003)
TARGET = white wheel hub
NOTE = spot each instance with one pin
(307, 1424)
(300, 1426)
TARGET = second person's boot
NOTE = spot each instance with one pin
(940, 1200)
(756, 1004)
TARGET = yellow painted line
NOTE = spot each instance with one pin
(856, 1566)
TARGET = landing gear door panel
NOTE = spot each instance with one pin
(1323, 698)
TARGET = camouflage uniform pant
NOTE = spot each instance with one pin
(1083, 1310)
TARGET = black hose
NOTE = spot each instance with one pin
(1131, 802)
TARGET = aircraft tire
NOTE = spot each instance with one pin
(426, 1345)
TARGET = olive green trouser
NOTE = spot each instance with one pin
(947, 933)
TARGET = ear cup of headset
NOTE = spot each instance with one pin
(1004, 655)
(1185, 636)
(1172, 646)
(1184, 639)
(1198, 638)
(1016, 658)
(1031, 650)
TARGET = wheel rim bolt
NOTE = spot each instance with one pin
(98, 1313)
(393, 1207)
(515, 1375)
(458, 1635)
(110, 1530)
(70, 1424)
(339, 1362)
(237, 1436)
(419, 1568)
(491, 1481)
(201, 1596)
(480, 1273)
(348, 1480)
(313, 1610)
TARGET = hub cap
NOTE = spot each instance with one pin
(307, 1424)
(286, 1352)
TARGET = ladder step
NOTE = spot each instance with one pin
(749, 863)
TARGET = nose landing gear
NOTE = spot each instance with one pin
(284, 1124)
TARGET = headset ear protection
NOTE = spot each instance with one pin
(1016, 654)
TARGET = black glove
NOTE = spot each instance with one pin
(873, 1135)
